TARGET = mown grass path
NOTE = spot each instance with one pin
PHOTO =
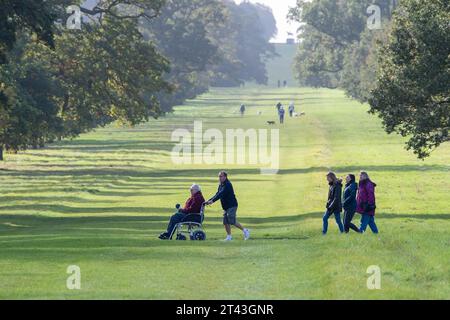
(100, 201)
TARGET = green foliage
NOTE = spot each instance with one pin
(29, 112)
(36, 16)
(360, 65)
(109, 73)
(211, 43)
(83, 80)
(133, 60)
(412, 93)
(335, 43)
(245, 40)
(182, 34)
(402, 70)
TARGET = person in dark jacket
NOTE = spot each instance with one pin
(242, 109)
(225, 194)
(193, 205)
(334, 202)
(281, 113)
(366, 204)
(349, 203)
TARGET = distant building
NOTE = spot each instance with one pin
(290, 41)
(290, 38)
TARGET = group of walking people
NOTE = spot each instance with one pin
(356, 198)
(282, 112)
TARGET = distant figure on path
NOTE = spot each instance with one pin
(285, 83)
(242, 110)
(279, 105)
(349, 203)
(281, 113)
(291, 109)
(193, 205)
(225, 194)
(334, 202)
(279, 84)
(366, 203)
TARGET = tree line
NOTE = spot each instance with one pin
(131, 61)
(401, 68)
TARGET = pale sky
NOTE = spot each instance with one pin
(280, 10)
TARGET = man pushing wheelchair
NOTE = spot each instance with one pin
(192, 214)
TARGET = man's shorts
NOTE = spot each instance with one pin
(229, 216)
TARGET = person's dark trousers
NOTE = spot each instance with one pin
(367, 220)
(174, 220)
(348, 217)
(337, 216)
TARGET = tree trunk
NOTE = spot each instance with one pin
(1, 153)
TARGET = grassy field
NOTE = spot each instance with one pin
(100, 201)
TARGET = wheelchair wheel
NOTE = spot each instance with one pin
(181, 237)
(198, 235)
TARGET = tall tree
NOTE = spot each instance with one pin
(182, 33)
(412, 93)
(17, 15)
(109, 73)
(246, 37)
(85, 79)
(334, 33)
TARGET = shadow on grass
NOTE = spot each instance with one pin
(27, 198)
(38, 238)
(211, 173)
(140, 221)
(348, 169)
(79, 210)
(99, 145)
(318, 215)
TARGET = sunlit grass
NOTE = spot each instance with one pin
(100, 201)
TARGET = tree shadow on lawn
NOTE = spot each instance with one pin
(38, 238)
(26, 198)
(94, 145)
(120, 219)
(145, 222)
(177, 174)
(174, 179)
(126, 173)
(319, 215)
(64, 209)
(377, 168)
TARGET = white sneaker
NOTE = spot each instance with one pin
(228, 238)
(246, 234)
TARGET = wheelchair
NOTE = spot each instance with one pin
(191, 226)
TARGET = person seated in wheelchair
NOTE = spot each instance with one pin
(193, 205)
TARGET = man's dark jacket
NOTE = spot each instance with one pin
(226, 195)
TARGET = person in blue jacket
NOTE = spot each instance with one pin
(349, 203)
(225, 194)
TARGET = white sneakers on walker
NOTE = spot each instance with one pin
(246, 234)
